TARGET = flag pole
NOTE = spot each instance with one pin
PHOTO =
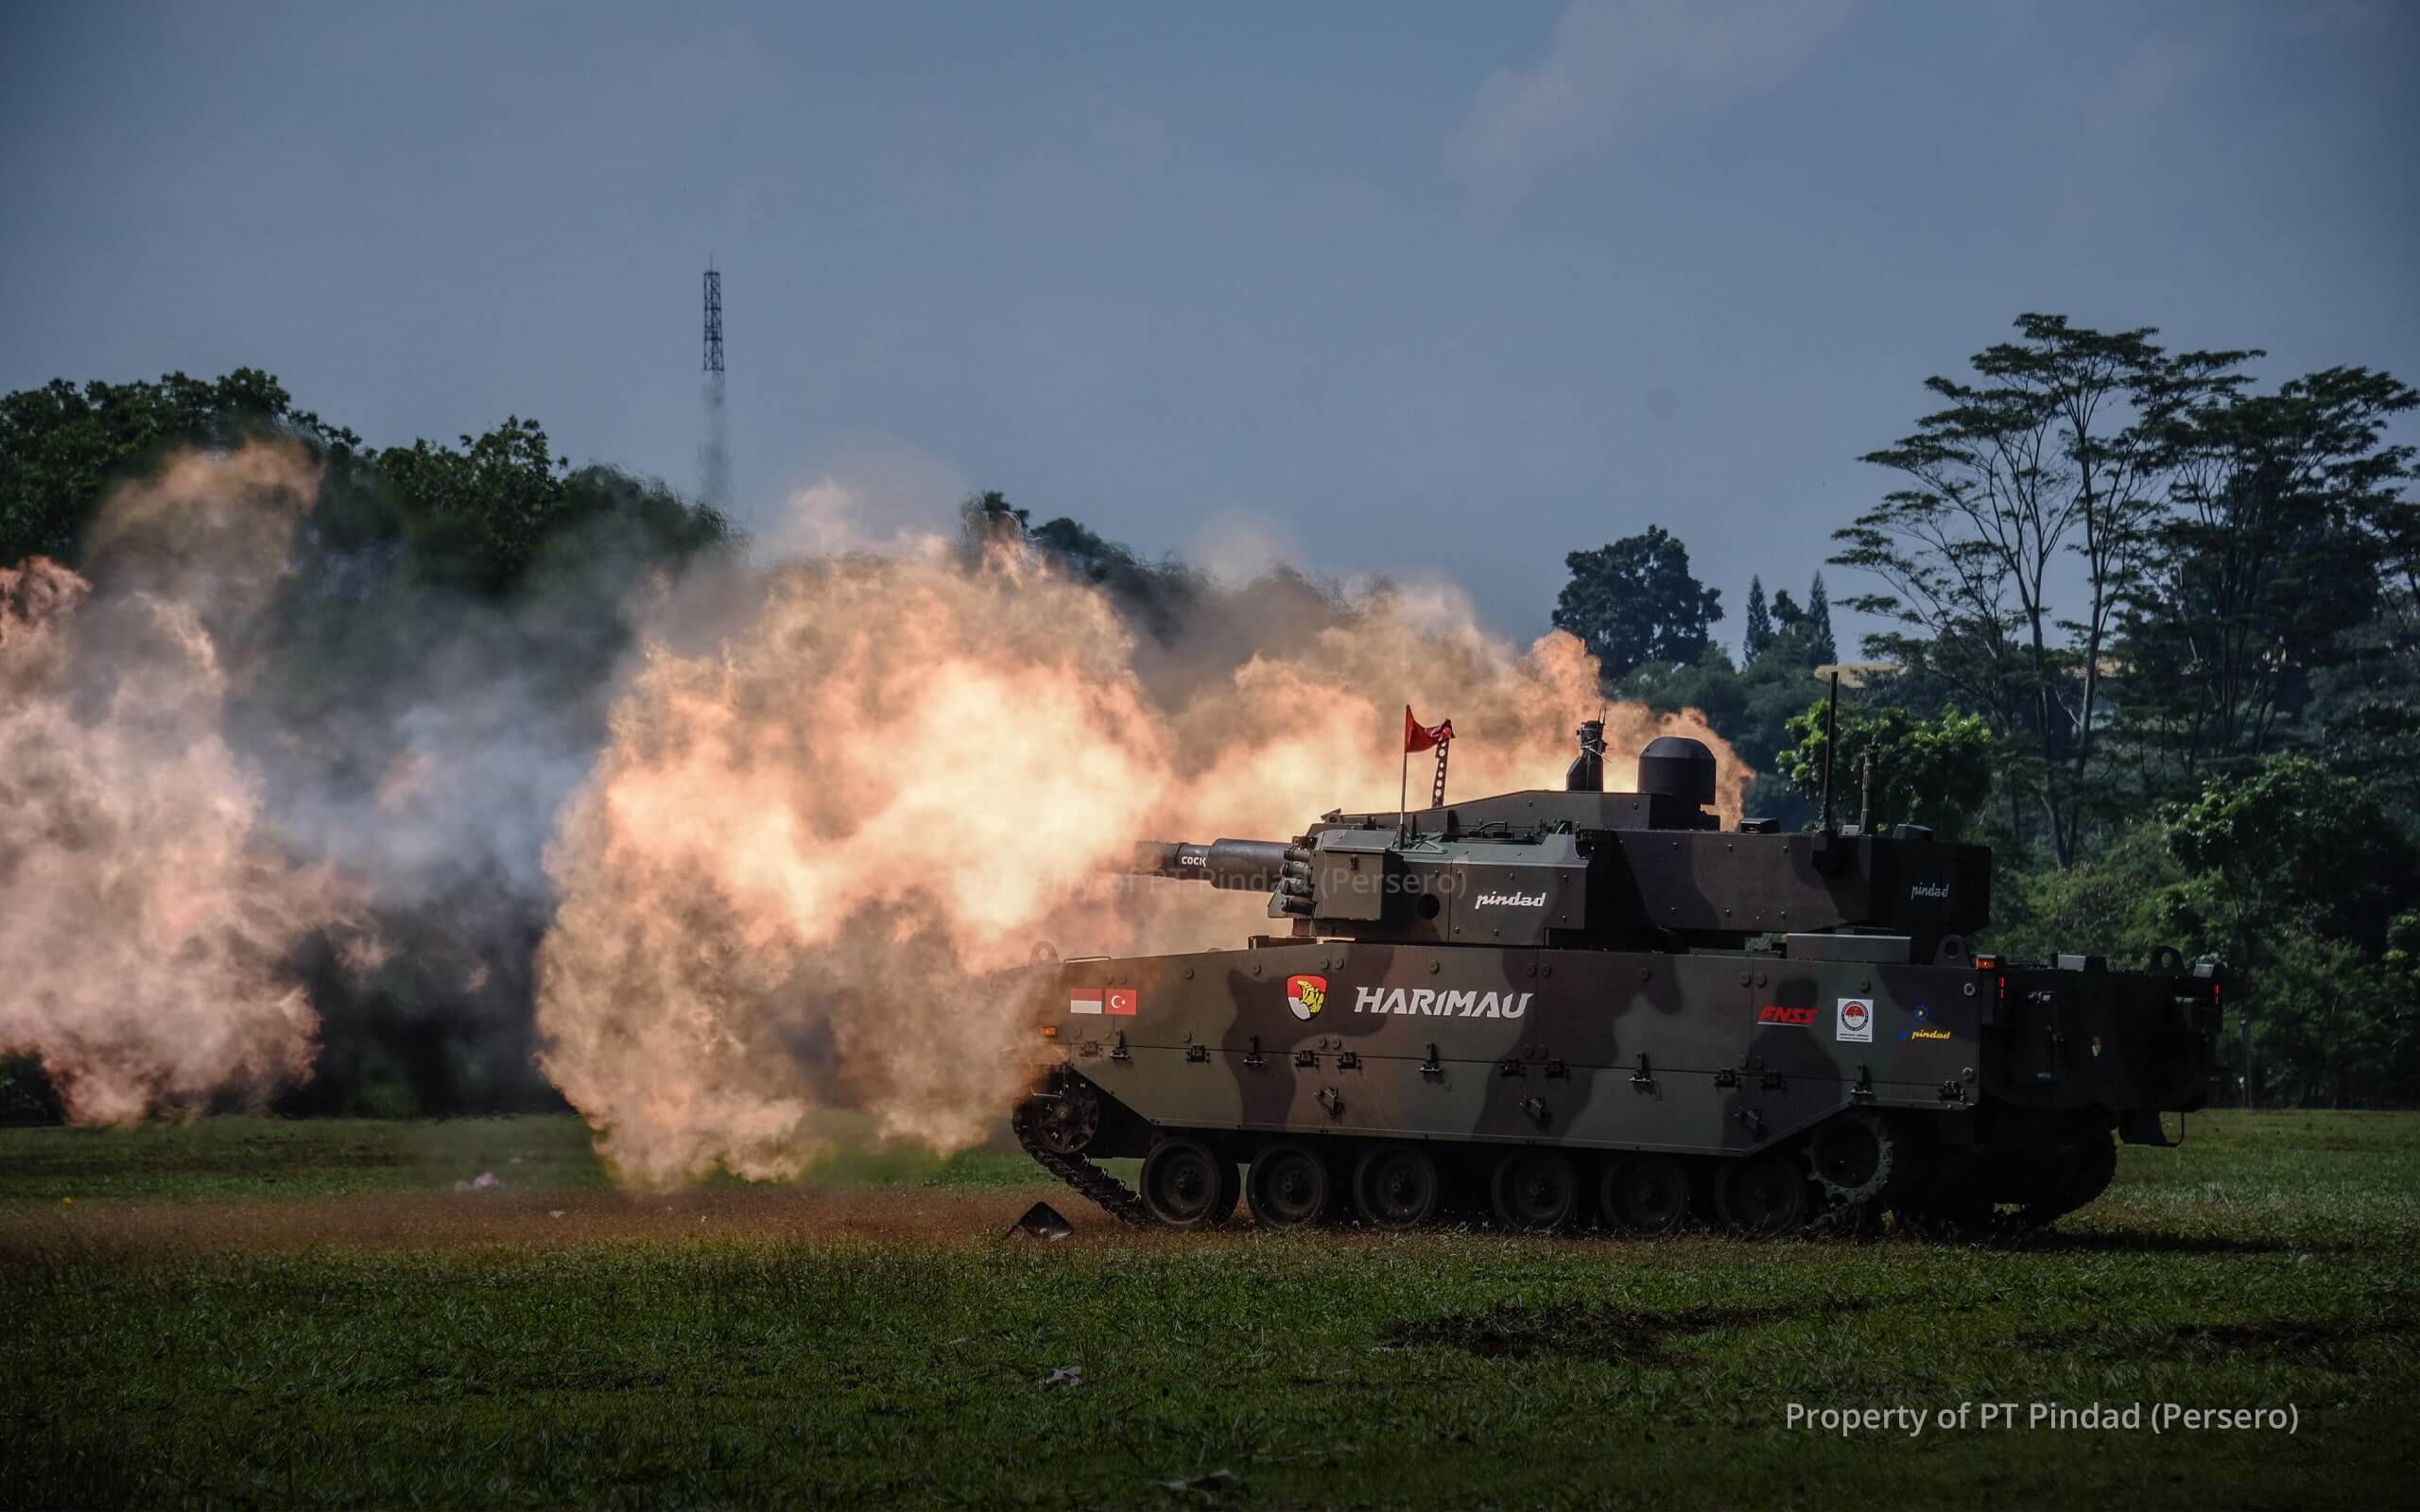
(1403, 796)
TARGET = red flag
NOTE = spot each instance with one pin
(1417, 737)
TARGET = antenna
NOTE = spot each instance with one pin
(713, 452)
(1831, 730)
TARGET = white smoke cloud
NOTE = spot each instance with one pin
(146, 912)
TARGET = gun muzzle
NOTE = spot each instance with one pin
(1239, 866)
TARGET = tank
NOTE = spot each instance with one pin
(1570, 1006)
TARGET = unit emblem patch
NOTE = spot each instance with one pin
(1855, 1021)
(1306, 996)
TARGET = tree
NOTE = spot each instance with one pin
(2288, 521)
(989, 515)
(1801, 637)
(1636, 600)
(1760, 622)
(2363, 718)
(1935, 772)
(1157, 596)
(60, 446)
(1821, 648)
(2326, 1016)
(2297, 845)
(2058, 449)
(2332, 1022)
(479, 514)
(2115, 903)
(2297, 876)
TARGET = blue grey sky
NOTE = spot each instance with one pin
(1399, 288)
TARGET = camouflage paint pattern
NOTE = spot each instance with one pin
(1701, 1053)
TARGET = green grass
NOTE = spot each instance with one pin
(232, 1158)
(2268, 1263)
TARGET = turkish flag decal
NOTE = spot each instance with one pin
(1123, 1000)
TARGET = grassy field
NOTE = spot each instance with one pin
(255, 1313)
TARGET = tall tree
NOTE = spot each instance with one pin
(2288, 521)
(2056, 449)
(1821, 648)
(1760, 623)
(1798, 637)
(1636, 600)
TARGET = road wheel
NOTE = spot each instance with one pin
(1534, 1190)
(1066, 1118)
(1396, 1186)
(1646, 1194)
(1762, 1194)
(1186, 1186)
(1852, 1154)
(1288, 1187)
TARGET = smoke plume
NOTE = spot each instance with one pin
(145, 916)
(757, 837)
(838, 794)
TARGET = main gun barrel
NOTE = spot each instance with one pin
(1242, 865)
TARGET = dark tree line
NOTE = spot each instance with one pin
(2153, 633)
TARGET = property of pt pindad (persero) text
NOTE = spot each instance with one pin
(2048, 1417)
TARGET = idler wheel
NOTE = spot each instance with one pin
(1645, 1193)
(1394, 1186)
(1762, 1194)
(1066, 1118)
(1288, 1187)
(1852, 1155)
(1534, 1190)
(1186, 1186)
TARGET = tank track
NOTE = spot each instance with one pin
(1832, 1216)
(1089, 1181)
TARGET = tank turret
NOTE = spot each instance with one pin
(1582, 868)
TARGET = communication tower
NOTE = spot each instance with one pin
(714, 453)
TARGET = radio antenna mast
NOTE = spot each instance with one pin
(713, 452)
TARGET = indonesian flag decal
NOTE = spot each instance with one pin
(1083, 1000)
(1417, 737)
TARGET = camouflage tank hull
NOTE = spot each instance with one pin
(1396, 1083)
(1552, 1006)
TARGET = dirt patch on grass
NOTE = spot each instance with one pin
(1614, 1335)
(439, 1219)
(2322, 1344)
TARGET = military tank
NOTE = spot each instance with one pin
(1559, 1006)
